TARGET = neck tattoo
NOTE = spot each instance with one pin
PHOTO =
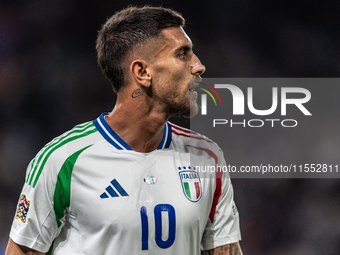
(137, 93)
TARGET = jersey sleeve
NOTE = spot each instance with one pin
(223, 224)
(44, 202)
(35, 223)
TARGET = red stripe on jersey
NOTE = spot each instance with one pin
(218, 189)
(198, 190)
(182, 129)
(194, 137)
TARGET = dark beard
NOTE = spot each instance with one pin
(185, 111)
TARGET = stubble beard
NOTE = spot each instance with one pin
(184, 106)
(187, 109)
(193, 106)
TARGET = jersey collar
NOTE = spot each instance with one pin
(106, 131)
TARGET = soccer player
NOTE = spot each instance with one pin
(126, 183)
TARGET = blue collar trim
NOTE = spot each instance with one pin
(106, 131)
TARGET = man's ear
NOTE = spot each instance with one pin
(139, 71)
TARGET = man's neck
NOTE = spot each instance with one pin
(139, 126)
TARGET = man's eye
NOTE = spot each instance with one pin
(182, 55)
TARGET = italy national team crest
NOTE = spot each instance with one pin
(191, 185)
(23, 208)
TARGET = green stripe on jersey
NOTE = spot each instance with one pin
(40, 154)
(62, 193)
(40, 160)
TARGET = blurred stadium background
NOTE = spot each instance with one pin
(49, 82)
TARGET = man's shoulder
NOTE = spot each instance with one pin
(73, 140)
(188, 137)
(50, 159)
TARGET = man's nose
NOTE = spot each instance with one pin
(197, 68)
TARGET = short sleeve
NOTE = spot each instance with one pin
(34, 223)
(223, 225)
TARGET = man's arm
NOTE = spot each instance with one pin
(229, 249)
(15, 249)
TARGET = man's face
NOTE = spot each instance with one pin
(176, 72)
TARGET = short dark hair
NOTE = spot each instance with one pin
(125, 30)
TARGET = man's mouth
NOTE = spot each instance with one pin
(194, 83)
(192, 90)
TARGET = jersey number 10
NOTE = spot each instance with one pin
(158, 226)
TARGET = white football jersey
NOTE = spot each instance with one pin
(88, 192)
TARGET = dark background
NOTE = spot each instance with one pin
(49, 82)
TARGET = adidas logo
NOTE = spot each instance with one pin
(113, 190)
